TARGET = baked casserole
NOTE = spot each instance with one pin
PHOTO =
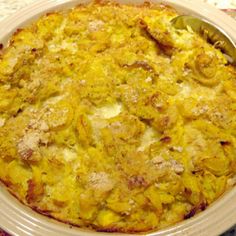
(113, 120)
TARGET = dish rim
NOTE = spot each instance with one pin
(18, 219)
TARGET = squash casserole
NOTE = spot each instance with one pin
(111, 119)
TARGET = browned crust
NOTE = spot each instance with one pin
(17, 31)
(166, 139)
(32, 191)
(4, 234)
(122, 230)
(200, 207)
(140, 64)
(7, 184)
(11, 42)
(48, 214)
(145, 4)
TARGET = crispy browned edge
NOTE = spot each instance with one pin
(47, 213)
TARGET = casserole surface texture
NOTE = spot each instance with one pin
(111, 119)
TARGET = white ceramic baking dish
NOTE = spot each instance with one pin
(18, 219)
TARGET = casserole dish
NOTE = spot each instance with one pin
(194, 226)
